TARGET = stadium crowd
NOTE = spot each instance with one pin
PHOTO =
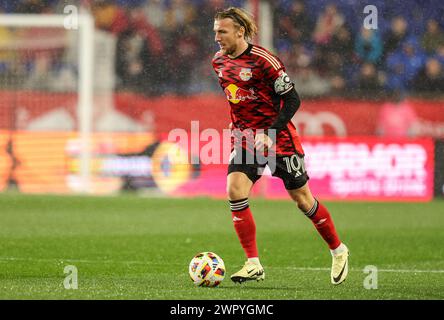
(165, 46)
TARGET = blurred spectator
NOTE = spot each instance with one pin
(308, 83)
(155, 12)
(342, 43)
(433, 37)
(204, 23)
(439, 54)
(179, 14)
(181, 52)
(142, 27)
(297, 57)
(430, 78)
(338, 54)
(369, 83)
(294, 25)
(397, 118)
(130, 57)
(327, 24)
(368, 46)
(6, 42)
(48, 74)
(338, 85)
(334, 65)
(109, 17)
(184, 61)
(139, 51)
(405, 64)
(8, 6)
(34, 6)
(397, 34)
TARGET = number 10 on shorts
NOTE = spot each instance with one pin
(295, 165)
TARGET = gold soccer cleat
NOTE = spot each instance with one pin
(339, 267)
(249, 271)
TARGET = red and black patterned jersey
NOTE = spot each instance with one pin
(248, 82)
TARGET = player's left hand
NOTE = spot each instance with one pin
(262, 142)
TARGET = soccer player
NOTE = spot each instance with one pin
(263, 100)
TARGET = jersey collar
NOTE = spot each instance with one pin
(247, 51)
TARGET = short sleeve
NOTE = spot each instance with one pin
(274, 71)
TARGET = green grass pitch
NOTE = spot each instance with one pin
(130, 247)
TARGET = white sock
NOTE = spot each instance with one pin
(339, 249)
(255, 261)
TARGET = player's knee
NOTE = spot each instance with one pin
(236, 192)
(303, 198)
(304, 203)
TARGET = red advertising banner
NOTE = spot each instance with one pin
(25, 110)
(360, 168)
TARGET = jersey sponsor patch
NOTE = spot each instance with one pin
(282, 84)
(236, 94)
(245, 74)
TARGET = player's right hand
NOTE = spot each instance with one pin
(262, 142)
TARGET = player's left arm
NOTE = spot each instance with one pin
(285, 88)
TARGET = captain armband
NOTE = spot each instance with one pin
(283, 84)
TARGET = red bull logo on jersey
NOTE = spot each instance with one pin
(245, 74)
(236, 94)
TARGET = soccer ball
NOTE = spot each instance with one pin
(207, 269)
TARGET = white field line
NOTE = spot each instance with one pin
(129, 262)
(361, 270)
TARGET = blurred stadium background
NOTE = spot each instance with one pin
(86, 106)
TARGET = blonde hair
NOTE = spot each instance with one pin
(241, 18)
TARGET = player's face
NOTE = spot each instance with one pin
(226, 35)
